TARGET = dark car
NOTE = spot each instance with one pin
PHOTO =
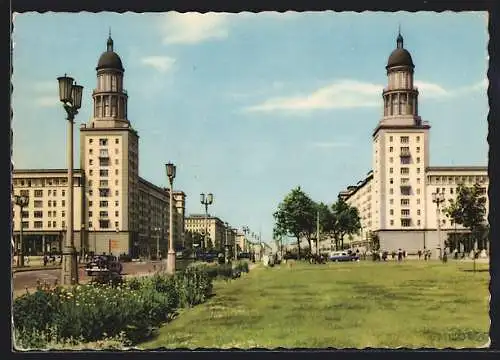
(343, 256)
(208, 256)
(243, 255)
(103, 264)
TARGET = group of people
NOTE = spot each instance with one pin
(426, 253)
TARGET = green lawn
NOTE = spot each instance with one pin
(366, 304)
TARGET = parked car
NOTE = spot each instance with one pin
(103, 264)
(243, 255)
(208, 256)
(343, 256)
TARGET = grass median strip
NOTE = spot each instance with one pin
(414, 304)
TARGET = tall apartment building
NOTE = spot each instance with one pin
(115, 209)
(395, 198)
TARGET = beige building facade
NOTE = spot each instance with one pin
(395, 198)
(217, 231)
(116, 210)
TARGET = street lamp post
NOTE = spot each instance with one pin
(438, 198)
(22, 201)
(226, 245)
(206, 200)
(171, 252)
(70, 95)
(83, 243)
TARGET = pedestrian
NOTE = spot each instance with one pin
(404, 254)
(393, 254)
(419, 254)
(45, 259)
(400, 255)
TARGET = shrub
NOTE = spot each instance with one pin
(96, 312)
(193, 286)
(241, 266)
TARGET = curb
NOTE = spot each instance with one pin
(41, 268)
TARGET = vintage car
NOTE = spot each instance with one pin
(343, 256)
(103, 264)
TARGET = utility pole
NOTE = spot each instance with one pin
(317, 234)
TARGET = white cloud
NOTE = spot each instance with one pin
(340, 94)
(192, 28)
(430, 89)
(160, 63)
(434, 91)
(344, 94)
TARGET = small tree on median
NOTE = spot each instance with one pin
(469, 209)
(295, 217)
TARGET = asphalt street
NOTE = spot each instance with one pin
(28, 279)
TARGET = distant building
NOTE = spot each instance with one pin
(216, 230)
(116, 210)
(395, 198)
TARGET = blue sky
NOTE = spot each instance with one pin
(251, 105)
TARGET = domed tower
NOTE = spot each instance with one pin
(400, 96)
(109, 157)
(400, 157)
(110, 99)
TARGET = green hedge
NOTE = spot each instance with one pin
(94, 312)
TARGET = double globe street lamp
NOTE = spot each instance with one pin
(22, 201)
(171, 252)
(206, 200)
(438, 199)
(70, 94)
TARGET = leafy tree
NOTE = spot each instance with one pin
(345, 221)
(469, 209)
(326, 221)
(295, 217)
(374, 241)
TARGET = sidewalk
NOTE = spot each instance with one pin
(25, 268)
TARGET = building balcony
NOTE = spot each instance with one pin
(95, 91)
(405, 153)
(405, 216)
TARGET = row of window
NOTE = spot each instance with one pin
(403, 201)
(40, 182)
(103, 162)
(103, 213)
(103, 172)
(405, 160)
(404, 149)
(404, 139)
(405, 191)
(404, 212)
(39, 224)
(451, 180)
(102, 183)
(403, 170)
(407, 222)
(104, 224)
(104, 141)
(103, 192)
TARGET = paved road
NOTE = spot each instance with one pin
(28, 279)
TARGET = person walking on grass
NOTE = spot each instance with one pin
(419, 254)
(400, 255)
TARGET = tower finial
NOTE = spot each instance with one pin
(110, 41)
(399, 40)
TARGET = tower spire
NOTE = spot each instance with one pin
(399, 40)
(110, 42)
